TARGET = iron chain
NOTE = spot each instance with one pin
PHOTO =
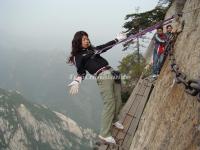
(192, 87)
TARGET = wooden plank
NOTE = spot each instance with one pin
(146, 83)
(128, 119)
(127, 122)
(138, 98)
(120, 137)
(103, 147)
(130, 101)
(122, 133)
(142, 90)
(126, 108)
(135, 105)
(114, 131)
(130, 115)
(150, 84)
(134, 125)
(126, 147)
(112, 147)
(132, 96)
(130, 107)
(142, 104)
(131, 132)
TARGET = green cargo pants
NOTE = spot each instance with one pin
(112, 103)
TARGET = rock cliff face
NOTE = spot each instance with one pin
(171, 119)
(26, 126)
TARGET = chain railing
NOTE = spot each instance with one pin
(192, 86)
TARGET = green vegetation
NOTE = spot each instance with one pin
(130, 67)
(140, 21)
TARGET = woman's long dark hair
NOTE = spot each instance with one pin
(76, 45)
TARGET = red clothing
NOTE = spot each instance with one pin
(161, 49)
(161, 46)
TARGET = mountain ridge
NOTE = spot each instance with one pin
(32, 126)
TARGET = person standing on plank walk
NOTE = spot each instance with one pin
(160, 40)
(84, 58)
(169, 32)
(169, 36)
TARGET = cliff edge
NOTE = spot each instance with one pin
(171, 119)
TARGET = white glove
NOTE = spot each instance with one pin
(74, 85)
(121, 36)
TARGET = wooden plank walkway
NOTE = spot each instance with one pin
(130, 116)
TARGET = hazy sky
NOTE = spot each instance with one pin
(51, 24)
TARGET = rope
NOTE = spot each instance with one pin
(134, 36)
(149, 29)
